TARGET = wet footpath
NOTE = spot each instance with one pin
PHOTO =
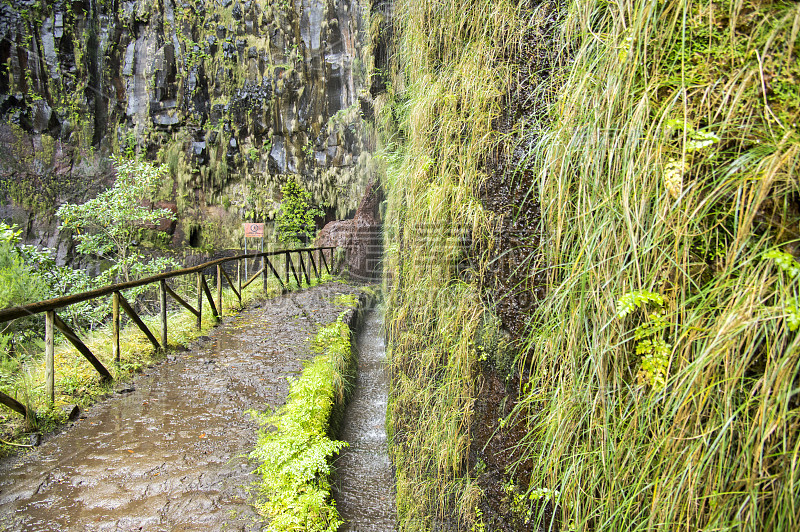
(364, 485)
(168, 452)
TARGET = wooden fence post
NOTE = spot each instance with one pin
(162, 294)
(49, 350)
(199, 300)
(265, 277)
(115, 326)
(239, 279)
(286, 263)
(219, 289)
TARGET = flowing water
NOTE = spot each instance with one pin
(364, 478)
(170, 452)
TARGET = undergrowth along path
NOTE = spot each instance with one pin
(169, 451)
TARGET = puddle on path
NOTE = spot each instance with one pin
(364, 480)
(171, 455)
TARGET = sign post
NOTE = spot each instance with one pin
(252, 230)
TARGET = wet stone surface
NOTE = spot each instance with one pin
(171, 455)
(364, 479)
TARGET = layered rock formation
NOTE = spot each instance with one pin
(232, 95)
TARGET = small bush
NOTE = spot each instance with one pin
(294, 456)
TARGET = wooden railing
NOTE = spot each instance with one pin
(53, 321)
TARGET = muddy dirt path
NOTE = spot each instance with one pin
(170, 453)
(364, 483)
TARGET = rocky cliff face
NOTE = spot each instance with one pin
(361, 237)
(232, 95)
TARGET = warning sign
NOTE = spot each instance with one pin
(253, 230)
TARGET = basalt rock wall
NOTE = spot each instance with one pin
(233, 96)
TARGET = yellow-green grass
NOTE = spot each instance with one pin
(437, 125)
(666, 160)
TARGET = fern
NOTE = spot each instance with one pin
(788, 265)
(294, 451)
(650, 344)
(636, 299)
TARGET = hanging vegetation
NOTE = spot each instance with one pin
(650, 152)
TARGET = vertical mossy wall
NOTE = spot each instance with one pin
(592, 241)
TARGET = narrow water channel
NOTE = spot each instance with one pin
(364, 479)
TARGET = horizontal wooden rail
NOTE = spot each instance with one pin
(12, 313)
(53, 321)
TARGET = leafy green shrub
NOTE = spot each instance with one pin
(109, 225)
(294, 452)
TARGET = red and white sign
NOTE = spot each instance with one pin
(253, 230)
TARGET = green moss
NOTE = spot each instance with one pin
(346, 300)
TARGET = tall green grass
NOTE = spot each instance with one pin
(437, 123)
(716, 447)
(666, 160)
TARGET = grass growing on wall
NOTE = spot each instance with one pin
(662, 363)
(442, 105)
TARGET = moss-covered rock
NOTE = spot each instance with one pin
(234, 96)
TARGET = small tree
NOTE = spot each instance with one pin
(296, 215)
(109, 225)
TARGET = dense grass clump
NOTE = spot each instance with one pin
(659, 369)
(670, 167)
(438, 116)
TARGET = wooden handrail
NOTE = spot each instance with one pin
(13, 313)
(54, 322)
